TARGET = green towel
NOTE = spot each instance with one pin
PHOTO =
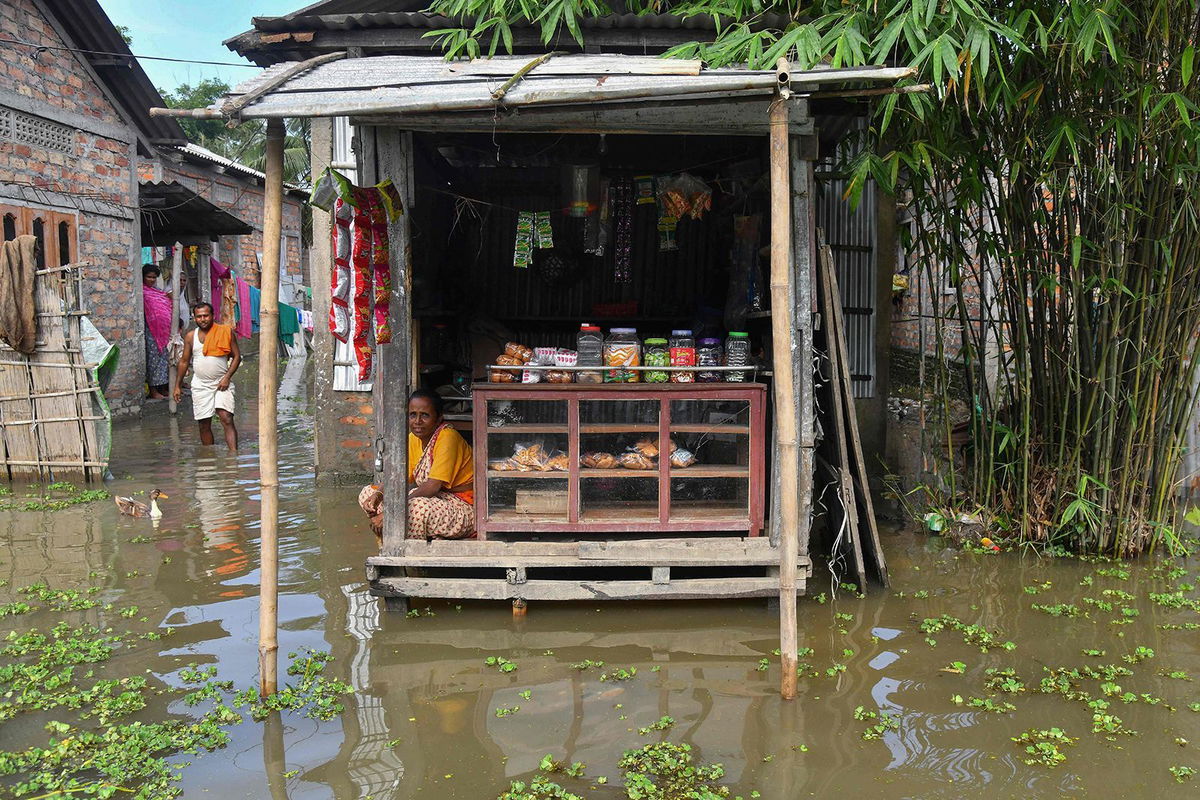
(289, 323)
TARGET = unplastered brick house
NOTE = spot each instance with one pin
(79, 152)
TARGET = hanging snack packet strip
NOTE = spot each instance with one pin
(545, 233)
(523, 246)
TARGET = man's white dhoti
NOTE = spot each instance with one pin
(207, 372)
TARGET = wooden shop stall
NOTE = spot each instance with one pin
(543, 194)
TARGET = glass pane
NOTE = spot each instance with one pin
(527, 415)
(528, 497)
(709, 497)
(620, 495)
(618, 459)
(710, 469)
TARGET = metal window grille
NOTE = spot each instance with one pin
(224, 194)
(21, 128)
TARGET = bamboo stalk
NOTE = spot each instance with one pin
(268, 384)
(784, 350)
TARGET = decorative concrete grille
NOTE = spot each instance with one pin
(224, 194)
(16, 126)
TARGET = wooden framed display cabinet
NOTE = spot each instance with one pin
(720, 424)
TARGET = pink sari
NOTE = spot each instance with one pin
(158, 314)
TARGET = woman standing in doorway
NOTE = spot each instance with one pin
(157, 304)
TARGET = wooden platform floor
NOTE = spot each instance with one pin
(651, 569)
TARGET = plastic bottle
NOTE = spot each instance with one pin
(708, 354)
(657, 355)
(683, 354)
(622, 349)
(590, 346)
(737, 354)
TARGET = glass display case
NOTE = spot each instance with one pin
(627, 458)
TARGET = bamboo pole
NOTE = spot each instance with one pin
(268, 379)
(784, 350)
(176, 269)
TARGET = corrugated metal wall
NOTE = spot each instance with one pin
(851, 236)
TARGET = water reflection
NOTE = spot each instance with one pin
(422, 722)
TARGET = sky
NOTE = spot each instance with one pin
(191, 29)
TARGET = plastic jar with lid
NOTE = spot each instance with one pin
(622, 349)
(657, 355)
(737, 354)
(590, 346)
(708, 354)
(683, 354)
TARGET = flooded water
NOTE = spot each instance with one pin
(422, 721)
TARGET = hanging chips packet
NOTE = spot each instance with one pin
(329, 187)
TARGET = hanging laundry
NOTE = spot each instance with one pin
(289, 324)
(306, 321)
(217, 272)
(228, 302)
(245, 323)
(255, 299)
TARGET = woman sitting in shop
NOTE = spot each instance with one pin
(441, 476)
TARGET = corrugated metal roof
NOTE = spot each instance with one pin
(171, 211)
(367, 20)
(412, 84)
(290, 36)
(194, 152)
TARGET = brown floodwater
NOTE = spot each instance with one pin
(422, 721)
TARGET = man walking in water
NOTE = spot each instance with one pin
(211, 351)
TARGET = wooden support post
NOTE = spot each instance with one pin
(520, 607)
(784, 350)
(176, 277)
(268, 447)
(394, 153)
(204, 272)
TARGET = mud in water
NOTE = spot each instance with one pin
(422, 722)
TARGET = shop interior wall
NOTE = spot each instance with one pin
(464, 276)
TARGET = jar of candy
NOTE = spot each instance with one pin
(737, 354)
(683, 354)
(708, 354)
(590, 346)
(622, 349)
(657, 355)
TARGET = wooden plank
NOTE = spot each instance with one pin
(18, 447)
(803, 259)
(874, 549)
(646, 559)
(835, 430)
(497, 589)
(701, 116)
(84, 404)
(395, 154)
(56, 441)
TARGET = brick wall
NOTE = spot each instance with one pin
(243, 198)
(93, 181)
(931, 298)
